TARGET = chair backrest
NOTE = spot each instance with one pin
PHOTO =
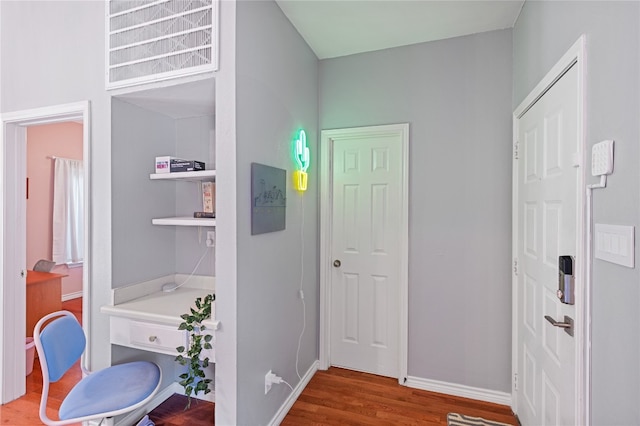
(60, 344)
(44, 265)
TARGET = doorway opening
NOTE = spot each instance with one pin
(13, 245)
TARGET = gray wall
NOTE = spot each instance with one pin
(192, 141)
(456, 96)
(141, 251)
(542, 34)
(276, 95)
(45, 62)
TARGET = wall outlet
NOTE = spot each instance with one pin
(268, 381)
(211, 238)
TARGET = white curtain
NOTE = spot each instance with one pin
(68, 211)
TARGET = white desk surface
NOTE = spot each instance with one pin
(162, 307)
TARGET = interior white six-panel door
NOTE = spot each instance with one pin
(367, 188)
(548, 223)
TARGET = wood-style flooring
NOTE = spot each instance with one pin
(172, 413)
(345, 397)
(332, 397)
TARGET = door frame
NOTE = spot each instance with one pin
(326, 208)
(575, 56)
(12, 263)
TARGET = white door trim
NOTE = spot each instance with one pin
(575, 56)
(12, 297)
(326, 206)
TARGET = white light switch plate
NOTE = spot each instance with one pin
(615, 244)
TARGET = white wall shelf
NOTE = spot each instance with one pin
(184, 221)
(201, 176)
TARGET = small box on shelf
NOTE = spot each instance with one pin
(177, 166)
(163, 164)
(168, 164)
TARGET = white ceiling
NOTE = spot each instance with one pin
(336, 28)
(343, 27)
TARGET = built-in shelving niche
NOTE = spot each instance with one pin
(176, 120)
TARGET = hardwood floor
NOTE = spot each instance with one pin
(172, 413)
(75, 307)
(332, 397)
(344, 397)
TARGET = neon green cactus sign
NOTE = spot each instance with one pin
(302, 158)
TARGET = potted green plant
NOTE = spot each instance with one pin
(194, 380)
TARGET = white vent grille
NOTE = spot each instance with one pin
(150, 40)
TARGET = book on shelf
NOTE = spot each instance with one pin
(208, 197)
(204, 215)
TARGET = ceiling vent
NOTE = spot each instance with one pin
(151, 40)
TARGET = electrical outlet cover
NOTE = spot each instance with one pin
(267, 382)
(211, 238)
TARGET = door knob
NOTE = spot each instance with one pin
(567, 325)
(337, 263)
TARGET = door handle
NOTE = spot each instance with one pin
(337, 263)
(567, 325)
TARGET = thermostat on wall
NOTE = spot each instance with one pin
(602, 158)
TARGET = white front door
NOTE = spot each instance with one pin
(368, 256)
(548, 220)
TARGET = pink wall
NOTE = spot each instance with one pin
(60, 140)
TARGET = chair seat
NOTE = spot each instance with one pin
(111, 389)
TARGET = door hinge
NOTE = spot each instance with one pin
(516, 146)
(515, 266)
(515, 381)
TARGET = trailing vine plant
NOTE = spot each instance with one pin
(194, 380)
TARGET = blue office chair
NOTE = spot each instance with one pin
(106, 393)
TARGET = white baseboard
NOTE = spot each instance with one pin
(463, 391)
(70, 296)
(293, 396)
